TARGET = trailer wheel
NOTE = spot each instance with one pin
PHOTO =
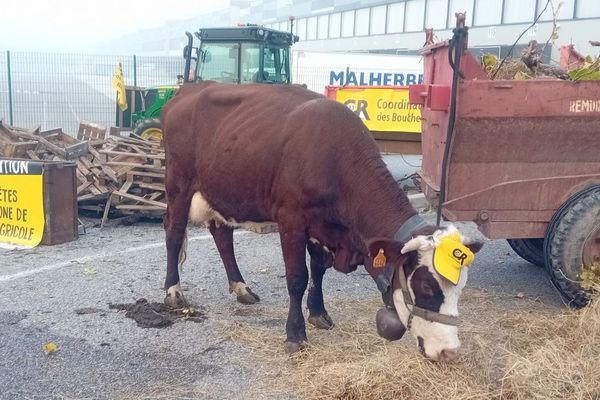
(572, 246)
(531, 250)
(149, 129)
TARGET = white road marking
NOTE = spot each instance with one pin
(51, 267)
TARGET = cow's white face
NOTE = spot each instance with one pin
(431, 291)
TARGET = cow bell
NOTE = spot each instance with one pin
(389, 325)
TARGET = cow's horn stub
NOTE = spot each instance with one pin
(389, 325)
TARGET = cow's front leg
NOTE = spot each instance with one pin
(293, 245)
(320, 260)
(223, 236)
(175, 225)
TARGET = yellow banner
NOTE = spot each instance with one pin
(382, 109)
(21, 202)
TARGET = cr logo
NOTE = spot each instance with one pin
(359, 107)
(459, 255)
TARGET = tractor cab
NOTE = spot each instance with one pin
(243, 54)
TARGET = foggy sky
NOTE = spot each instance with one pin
(84, 25)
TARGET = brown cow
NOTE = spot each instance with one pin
(255, 153)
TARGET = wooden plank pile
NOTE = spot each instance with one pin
(117, 176)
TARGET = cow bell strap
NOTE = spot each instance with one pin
(384, 284)
(404, 234)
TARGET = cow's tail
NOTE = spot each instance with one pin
(200, 213)
(183, 252)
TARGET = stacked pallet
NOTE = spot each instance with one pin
(117, 176)
(139, 171)
(36, 145)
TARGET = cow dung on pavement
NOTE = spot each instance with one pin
(158, 315)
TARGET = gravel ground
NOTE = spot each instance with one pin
(104, 355)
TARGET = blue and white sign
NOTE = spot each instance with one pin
(318, 70)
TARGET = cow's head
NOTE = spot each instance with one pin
(433, 287)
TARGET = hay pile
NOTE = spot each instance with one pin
(513, 69)
(512, 349)
(528, 66)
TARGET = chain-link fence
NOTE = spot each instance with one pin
(60, 90)
(4, 100)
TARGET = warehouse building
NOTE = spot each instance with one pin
(394, 27)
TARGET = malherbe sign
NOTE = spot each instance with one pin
(21, 202)
(355, 78)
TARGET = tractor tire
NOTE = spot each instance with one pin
(149, 129)
(572, 242)
(531, 250)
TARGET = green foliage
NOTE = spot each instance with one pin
(590, 71)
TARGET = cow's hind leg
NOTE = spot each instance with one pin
(320, 260)
(293, 245)
(223, 236)
(175, 225)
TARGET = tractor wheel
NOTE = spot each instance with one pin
(149, 129)
(531, 250)
(572, 247)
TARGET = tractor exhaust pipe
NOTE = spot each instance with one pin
(292, 19)
(187, 54)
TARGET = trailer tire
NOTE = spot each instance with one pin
(149, 129)
(531, 250)
(574, 226)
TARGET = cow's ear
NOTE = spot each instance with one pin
(418, 243)
(392, 249)
(474, 245)
(375, 245)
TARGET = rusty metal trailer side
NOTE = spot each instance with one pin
(523, 162)
(520, 149)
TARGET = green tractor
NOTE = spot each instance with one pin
(244, 54)
(146, 122)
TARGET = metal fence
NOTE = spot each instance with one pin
(60, 90)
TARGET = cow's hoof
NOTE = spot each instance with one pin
(248, 298)
(294, 347)
(174, 297)
(243, 293)
(176, 302)
(323, 321)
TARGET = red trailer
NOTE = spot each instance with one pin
(522, 161)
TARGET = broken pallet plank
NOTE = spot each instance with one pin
(136, 165)
(151, 186)
(83, 186)
(140, 199)
(139, 207)
(124, 153)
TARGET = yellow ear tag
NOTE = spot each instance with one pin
(379, 260)
(450, 256)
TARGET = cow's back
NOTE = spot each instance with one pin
(250, 147)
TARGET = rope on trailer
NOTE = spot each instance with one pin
(456, 47)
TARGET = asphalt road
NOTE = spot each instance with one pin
(105, 355)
